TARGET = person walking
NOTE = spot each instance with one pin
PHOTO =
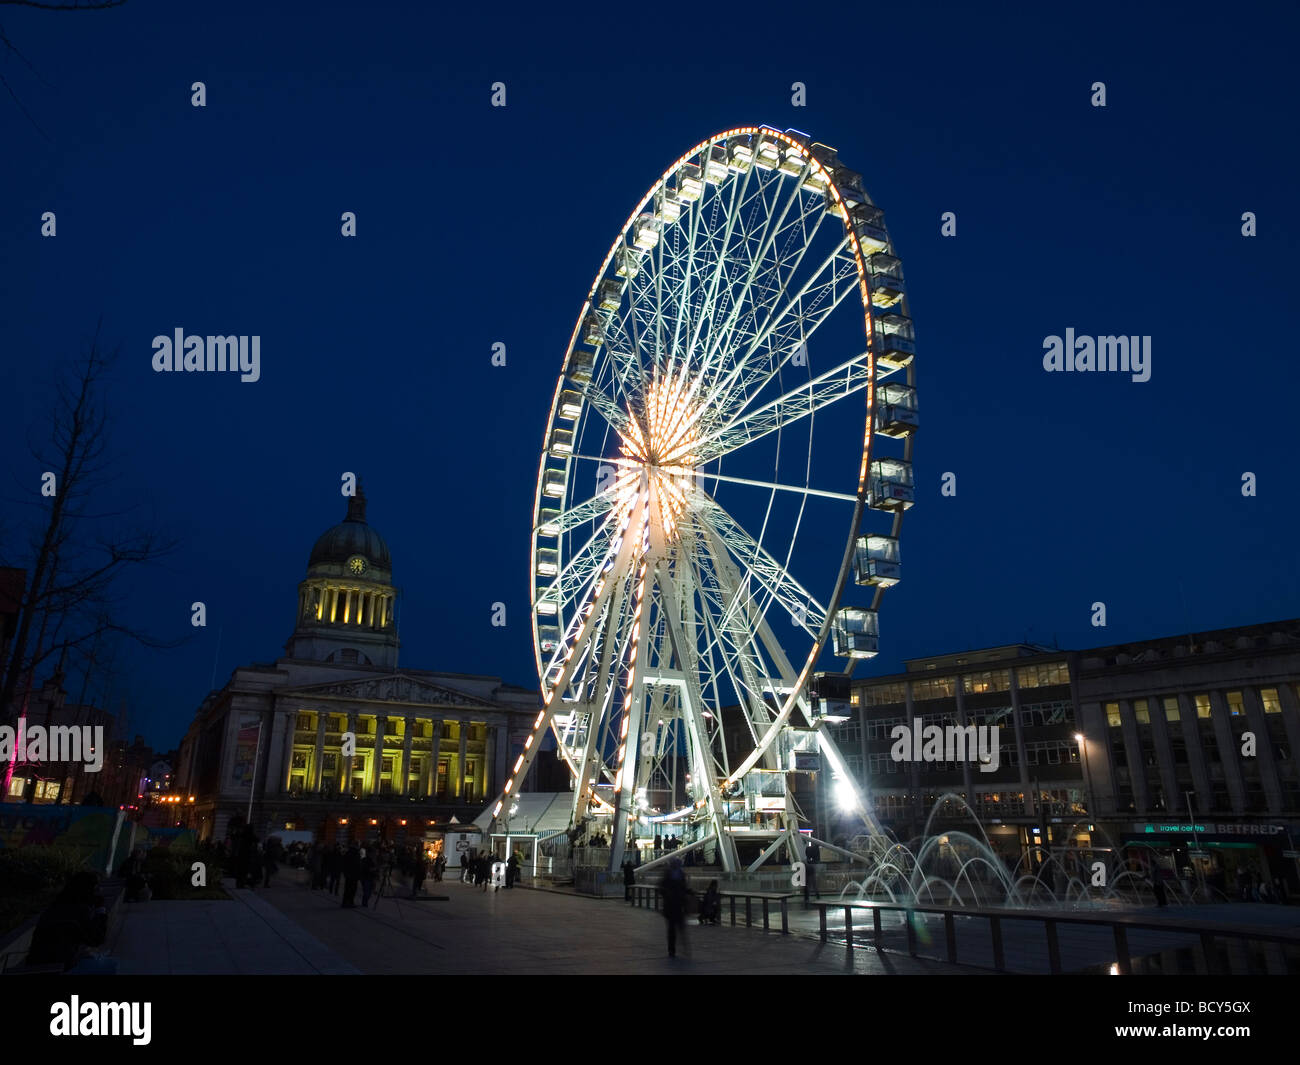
(351, 875)
(369, 869)
(333, 867)
(512, 870)
(464, 866)
(419, 870)
(811, 857)
(316, 867)
(675, 890)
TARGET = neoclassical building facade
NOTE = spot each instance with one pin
(337, 738)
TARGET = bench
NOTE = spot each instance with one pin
(767, 898)
(648, 895)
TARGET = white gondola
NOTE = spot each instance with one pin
(645, 232)
(628, 262)
(553, 484)
(869, 227)
(856, 633)
(829, 697)
(570, 404)
(890, 485)
(611, 294)
(548, 519)
(799, 749)
(896, 414)
(668, 205)
(581, 363)
(875, 561)
(548, 562)
(793, 162)
(548, 606)
(742, 154)
(561, 442)
(816, 181)
(893, 345)
(715, 164)
(549, 637)
(767, 155)
(593, 330)
(849, 183)
(690, 183)
(886, 281)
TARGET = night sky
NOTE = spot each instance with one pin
(479, 225)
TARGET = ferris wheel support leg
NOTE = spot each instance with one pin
(697, 733)
(589, 775)
(630, 741)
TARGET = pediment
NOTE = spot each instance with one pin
(397, 688)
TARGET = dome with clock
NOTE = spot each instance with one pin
(346, 604)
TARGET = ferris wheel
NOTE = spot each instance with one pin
(726, 464)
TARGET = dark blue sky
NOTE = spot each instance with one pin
(479, 225)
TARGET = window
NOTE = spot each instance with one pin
(304, 722)
(16, 786)
(883, 694)
(299, 760)
(1038, 715)
(934, 688)
(995, 680)
(1112, 715)
(1235, 705)
(329, 761)
(1043, 675)
(1171, 708)
(1142, 711)
(1202, 705)
(1268, 696)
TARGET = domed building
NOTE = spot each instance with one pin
(335, 737)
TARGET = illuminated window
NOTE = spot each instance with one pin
(1043, 675)
(304, 722)
(1142, 711)
(1171, 708)
(299, 760)
(16, 786)
(1202, 705)
(1112, 715)
(1268, 696)
(991, 680)
(1235, 705)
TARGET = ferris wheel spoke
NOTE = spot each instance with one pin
(786, 330)
(747, 426)
(709, 475)
(774, 576)
(578, 514)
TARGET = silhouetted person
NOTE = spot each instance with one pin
(1158, 886)
(419, 870)
(369, 870)
(351, 875)
(675, 891)
(512, 870)
(711, 904)
(629, 879)
(271, 855)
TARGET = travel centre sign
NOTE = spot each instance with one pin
(1218, 830)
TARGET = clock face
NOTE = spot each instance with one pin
(357, 565)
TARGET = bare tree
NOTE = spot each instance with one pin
(77, 557)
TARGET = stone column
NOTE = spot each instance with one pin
(345, 769)
(318, 760)
(1195, 756)
(288, 725)
(460, 768)
(1137, 771)
(1229, 752)
(377, 759)
(1014, 691)
(1269, 778)
(408, 724)
(968, 766)
(431, 785)
(1164, 753)
(501, 763)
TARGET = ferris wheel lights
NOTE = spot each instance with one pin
(509, 784)
(495, 811)
(528, 741)
(519, 761)
(540, 718)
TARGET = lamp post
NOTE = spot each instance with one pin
(1087, 775)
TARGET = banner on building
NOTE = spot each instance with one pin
(250, 728)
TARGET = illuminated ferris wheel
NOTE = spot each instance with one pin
(728, 452)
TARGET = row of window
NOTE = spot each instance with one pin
(1235, 701)
(392, 727)
(990, 680)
